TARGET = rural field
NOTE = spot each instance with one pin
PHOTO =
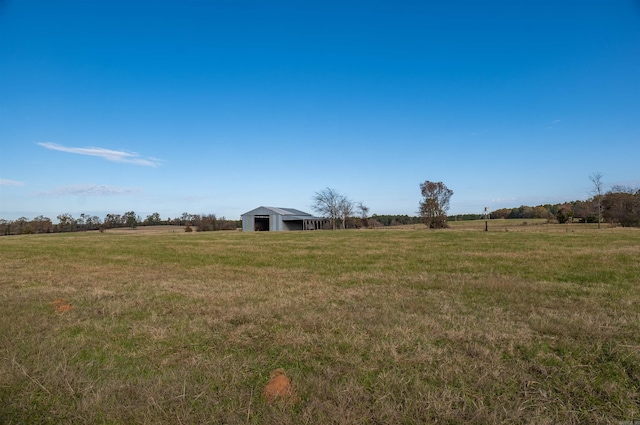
(530, 323)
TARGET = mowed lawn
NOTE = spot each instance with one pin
(539, 325)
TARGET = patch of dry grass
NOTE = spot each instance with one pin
(371, 327)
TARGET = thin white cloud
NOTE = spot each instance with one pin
(7, 182)
(89, 190)
(553, 124)
(503, 200)
(108, 154)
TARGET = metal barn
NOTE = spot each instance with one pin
(280, 219)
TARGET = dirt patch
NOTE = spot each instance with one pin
(279, 389)
(61, 306)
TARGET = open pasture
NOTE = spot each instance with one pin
(372, 326)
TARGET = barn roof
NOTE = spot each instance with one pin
(286, 213)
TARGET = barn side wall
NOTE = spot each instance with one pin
(247, 223)
(275, 223)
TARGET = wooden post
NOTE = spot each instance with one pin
(486, 219)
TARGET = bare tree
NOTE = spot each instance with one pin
(364, 212)
(5, 227)
(42, 224)
(82, 221)
(327, 203)
(435, 203)
(622, 205)
(345, 208)
(596, 179)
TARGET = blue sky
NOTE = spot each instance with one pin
(223, 106)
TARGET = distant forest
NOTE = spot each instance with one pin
(620, 206)
(85, 222)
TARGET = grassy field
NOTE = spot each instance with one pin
(526, 323)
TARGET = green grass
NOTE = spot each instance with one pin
(527, 323)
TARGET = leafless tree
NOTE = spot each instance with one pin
(622, 205)
(42, 224)
(5, 227)
(345, 207)
(596, 179)
(327, 203)
(364, 213)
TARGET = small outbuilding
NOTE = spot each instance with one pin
(273, 219)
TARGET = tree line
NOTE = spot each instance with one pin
(394, 220)
(345, 213)
(86, 222)
(620, 205)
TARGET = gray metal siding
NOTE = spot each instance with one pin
(262, 211)
(274, 223)
(279, 219)
(293, 225)
(247, 223)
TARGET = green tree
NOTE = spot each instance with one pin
(153, 219)
(130, 219)
(66, 222)
(112, 220)
(185, 218)
(93, 222)
(565, 213)
(541, 212)
(434, 204)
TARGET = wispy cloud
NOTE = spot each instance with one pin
(553, 124)
(7, 182)
(108, 154)
(89, 190)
